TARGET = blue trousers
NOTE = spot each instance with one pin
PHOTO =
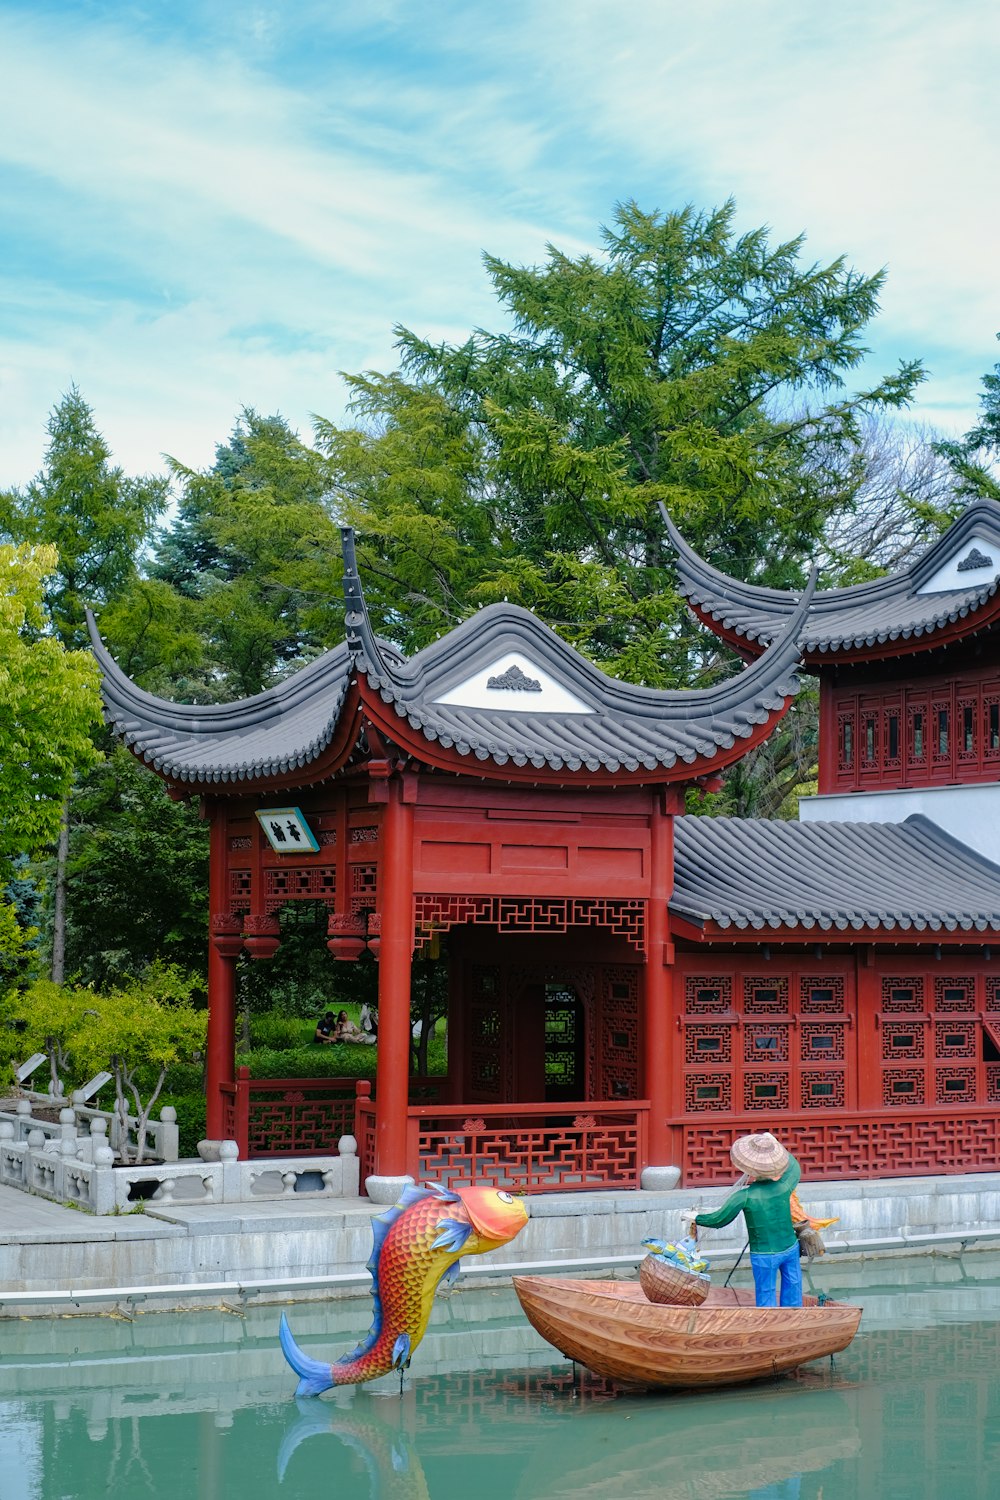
(765, 1274)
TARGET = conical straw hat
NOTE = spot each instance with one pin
(759, 1155)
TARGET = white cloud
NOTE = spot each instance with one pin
(201, 218)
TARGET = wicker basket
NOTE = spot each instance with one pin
(663, 1282)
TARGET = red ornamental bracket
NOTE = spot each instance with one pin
(261, 936)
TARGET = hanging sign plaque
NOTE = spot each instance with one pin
(287, 831)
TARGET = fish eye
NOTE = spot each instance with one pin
(506, 1197)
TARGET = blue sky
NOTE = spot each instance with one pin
(207, 205)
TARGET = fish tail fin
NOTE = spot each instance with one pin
(314, 1375)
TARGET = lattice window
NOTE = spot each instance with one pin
(993, 1083)
(869, 739)
(708, 994)
(299, 884)
(707, 1044)
(954, 1039)
(892, 739)
(916, 734)
(941, 732)
(364, 887)
(704, 1092)
(530, 914)
(619, 1063)
(240, 889)
(955, 1086)
(993, 995)
(486, 1027)
(486, 982)
(845, 743)
(903, 994)
(823, 1090)
(954, 994)
(763, 1045)
(485, 1072)
(768, 1091)
(903, 1086)
(766, 996)
(822, 994)
(822, 1043)
(991, 727)
(901, 1040)
(965, 731)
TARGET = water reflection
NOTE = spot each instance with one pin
(385, 1448)
(200, 1407)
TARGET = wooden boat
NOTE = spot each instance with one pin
(613, 1329)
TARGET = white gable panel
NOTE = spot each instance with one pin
(549, 697)
(951, 576)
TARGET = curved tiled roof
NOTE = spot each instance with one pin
(609, 726)
(841, 620)
(750, 873)
(274, 732)
(622, 728)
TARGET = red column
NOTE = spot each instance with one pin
(224, 946)
(828, 748)
(395, 955)
(659, 977)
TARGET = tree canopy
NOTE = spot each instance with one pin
(48, 706)
(975, 458)
(687, 363)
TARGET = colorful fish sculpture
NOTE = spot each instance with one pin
(418, 1243)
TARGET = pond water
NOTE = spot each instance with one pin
(199, 1406)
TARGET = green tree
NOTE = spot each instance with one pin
(137, 874)
(48, 705)
(975, 459)
(97, 518)
(254, 555)
(686, 363)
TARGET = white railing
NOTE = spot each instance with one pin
(60, 1162)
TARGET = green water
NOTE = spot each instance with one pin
(200, 1407)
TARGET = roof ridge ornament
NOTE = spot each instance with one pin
(974, 559)
(515, 680)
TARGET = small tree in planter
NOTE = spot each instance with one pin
(140, 1033)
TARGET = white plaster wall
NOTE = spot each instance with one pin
(970, 813)
(949, 577)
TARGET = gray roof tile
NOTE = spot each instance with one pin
(842, 620)
(627, 728)
(752, 874)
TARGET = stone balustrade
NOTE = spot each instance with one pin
(61, 1162)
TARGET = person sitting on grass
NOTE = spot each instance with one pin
(325, 1027)
(771, 1177)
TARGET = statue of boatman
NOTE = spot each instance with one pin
(763, 1196)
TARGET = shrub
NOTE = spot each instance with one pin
(277, 1032)
(336, 1061)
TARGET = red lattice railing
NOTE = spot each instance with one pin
(288, 1116)
(537, 1148)
(850, 1145)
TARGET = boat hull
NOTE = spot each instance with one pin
(613, 1329)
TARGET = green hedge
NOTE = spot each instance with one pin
(340, 1060)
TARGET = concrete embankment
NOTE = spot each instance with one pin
(54, 1259)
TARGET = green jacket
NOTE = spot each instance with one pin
(764, 1206)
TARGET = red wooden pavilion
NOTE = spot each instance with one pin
(628, 986)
